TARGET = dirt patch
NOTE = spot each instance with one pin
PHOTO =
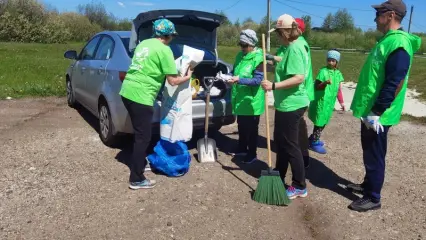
(58, 181)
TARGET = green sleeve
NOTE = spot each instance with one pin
(295, 64)
(322, 75)
(168, 65)
(340, 76)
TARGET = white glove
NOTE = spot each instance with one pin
(372, 121)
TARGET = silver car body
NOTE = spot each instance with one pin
(95, 76)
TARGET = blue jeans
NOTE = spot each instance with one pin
(374, 148)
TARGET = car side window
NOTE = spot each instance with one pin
(88, 53)
(105, 49)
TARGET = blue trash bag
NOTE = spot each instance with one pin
(171, 159)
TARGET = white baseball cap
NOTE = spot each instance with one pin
(285, 21)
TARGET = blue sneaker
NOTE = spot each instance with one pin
(319, 142)
(317, 147)
(293, 192)
(145, 184)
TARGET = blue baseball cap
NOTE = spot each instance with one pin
(163, 27)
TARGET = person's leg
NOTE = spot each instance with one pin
(316, 135)
(304, 141)
(374, 153)
(316, 144)
(141, 117)
(242, 135)
(253, 134)
(281, 163)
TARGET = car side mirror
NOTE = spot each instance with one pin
(71, 54)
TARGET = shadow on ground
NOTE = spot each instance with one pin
(322, 176)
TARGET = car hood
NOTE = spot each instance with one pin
(195, 28)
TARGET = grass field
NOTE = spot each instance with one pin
(39, 69)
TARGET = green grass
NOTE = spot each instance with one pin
(29, 69)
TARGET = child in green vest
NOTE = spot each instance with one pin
(327, 87)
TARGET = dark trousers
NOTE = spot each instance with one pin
(374, 147)
(141, 117)
(248, 133)
(304, 140)
(316, 133)
(286, 138)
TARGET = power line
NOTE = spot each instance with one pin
(310, 14)
(328, 6)
(233, 5)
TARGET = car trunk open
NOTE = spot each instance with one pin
(195, 29)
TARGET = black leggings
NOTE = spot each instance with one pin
(141, 117)
(316, 133)
(286, 137)
(248, 133)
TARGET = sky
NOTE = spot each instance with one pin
(256, 9)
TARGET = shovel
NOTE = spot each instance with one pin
(206, 146)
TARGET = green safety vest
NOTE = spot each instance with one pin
(248, 100)
(372, 76)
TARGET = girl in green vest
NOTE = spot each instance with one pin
(327, 86)
(247, 95)
(291, 102)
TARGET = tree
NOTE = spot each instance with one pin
(226, 22)
(237, 23)
(308, 27)
(328, 22)
(343, 21)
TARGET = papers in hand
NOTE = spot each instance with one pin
(223, 77)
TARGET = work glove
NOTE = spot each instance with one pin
(372, 121)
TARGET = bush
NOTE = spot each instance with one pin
(79, 26)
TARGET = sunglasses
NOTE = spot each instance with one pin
(380, 13)
(243, 45)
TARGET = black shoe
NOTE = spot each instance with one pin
(365, 204)
(357, 188)
(248, 160)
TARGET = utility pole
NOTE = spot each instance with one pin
(411, 15)
(268, 36)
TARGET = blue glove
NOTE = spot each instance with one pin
(372, 121)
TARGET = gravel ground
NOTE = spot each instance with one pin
(58, 181)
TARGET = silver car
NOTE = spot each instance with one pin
(94, 78)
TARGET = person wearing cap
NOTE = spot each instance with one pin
(327, 85)
(248, 98)
(291, 102)
(152, 63)
(303, 128)
(379, 97)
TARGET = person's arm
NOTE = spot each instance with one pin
(396, 69)
(295, 80)
(295, 67)
(340, 95)
(255, 80)
(175, 79)
(168, 68)
(319, 85)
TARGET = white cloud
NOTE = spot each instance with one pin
(141, 4)
(121, 4)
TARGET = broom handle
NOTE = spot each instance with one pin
(265, 74)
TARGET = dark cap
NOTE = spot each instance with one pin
(398, 6)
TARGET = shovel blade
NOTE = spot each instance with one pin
(206, 148)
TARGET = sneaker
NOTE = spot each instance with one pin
(239, 154)
(316, 147)
(319, 142)
(365, 204)
(355, 188)
(145, 184)
(293, 192)
(248, 160)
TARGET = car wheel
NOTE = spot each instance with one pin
(70, 94)
(105, 125)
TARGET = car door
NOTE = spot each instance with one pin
(97, 71)
(80, 69)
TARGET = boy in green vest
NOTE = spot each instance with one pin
(327, 86)
(379, 97)
(248, 98)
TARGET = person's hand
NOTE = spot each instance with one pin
(343, 108)
(328, 82)
(372, 121)
(266, 85)
(189, 72)
(234, 79)
(277, 59)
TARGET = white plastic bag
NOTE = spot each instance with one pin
(176, 107)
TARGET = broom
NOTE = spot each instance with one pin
(270, 189)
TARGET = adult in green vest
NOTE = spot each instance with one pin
(379, 97)
(291, 102)
(303, 128)
(248, 98)
(152, 63)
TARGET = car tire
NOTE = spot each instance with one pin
(70, 94)
(106, 126)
